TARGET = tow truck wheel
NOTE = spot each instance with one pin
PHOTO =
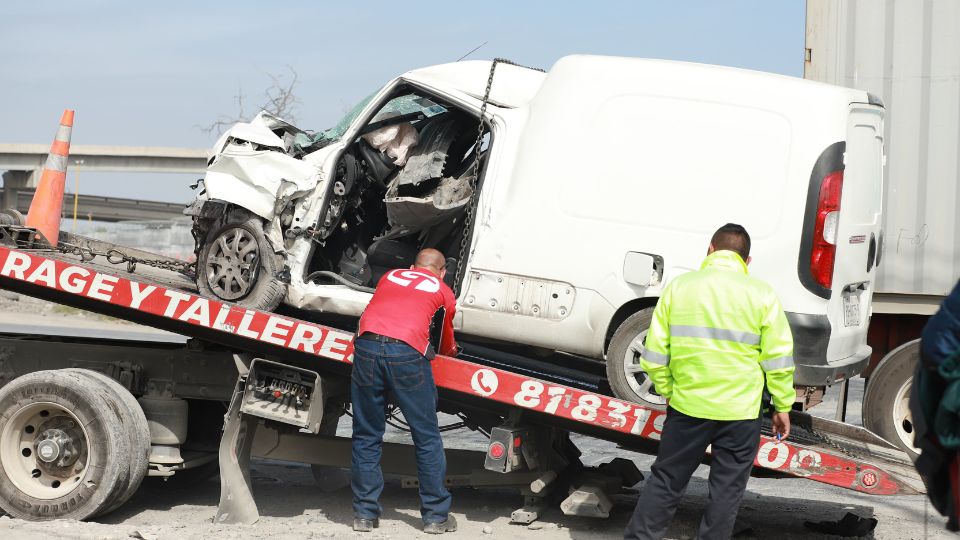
(627, 380)
(64, 453)
(886, 403)
(136, 428)
(237, 264)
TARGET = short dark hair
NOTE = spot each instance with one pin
(734, 238)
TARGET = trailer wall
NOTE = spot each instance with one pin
(906, 52)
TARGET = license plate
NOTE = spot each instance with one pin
(851, 310)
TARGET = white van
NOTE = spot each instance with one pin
(599, 182)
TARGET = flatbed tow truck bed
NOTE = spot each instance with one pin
(536, 412)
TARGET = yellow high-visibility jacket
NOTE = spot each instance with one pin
(717, 335)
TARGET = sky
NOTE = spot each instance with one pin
(153, 73)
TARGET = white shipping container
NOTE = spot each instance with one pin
(907, 52)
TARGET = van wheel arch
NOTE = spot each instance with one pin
(627, 379)
(623, 313)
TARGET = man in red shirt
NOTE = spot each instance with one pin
(391, 354)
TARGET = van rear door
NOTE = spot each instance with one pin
(842, 229)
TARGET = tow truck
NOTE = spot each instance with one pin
(84, 418)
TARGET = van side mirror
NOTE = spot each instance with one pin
(642, 269)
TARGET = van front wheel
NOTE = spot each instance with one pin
(237, 264)
(627, 380)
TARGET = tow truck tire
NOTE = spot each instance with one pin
(626, 379)
(70, 422)
(266, 290)
(136, 427)
(886, 409)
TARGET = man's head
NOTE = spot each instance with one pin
(731, 237)
(432, 260)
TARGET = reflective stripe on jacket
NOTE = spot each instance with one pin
(716, 337)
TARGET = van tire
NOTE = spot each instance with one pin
(136, 427)
(62, 400)
(619, 366)
(885, 402)
(267, 290)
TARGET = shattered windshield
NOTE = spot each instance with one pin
(309, 142)
(398, 106)
(337, 131)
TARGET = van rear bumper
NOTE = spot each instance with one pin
(811, 336)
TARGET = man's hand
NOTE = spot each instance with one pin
(781, 425)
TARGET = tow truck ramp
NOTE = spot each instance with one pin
(289, 369)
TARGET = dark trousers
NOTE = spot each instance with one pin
(379, 368)
(682, 445)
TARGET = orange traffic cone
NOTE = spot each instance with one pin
(47, 204)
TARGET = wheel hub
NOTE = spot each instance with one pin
(58, 446)
(902, 417)
(43, 450)
(231, 264)
(48, 450)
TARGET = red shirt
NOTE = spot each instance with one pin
(403, 307)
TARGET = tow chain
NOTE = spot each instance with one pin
(475, 196)
(829, 442)
(115, 256)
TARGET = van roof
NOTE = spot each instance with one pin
(516, 86)
(513, 86)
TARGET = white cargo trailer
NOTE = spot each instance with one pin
(908, 54)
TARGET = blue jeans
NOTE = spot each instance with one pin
(379, 368)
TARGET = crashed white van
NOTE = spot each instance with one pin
(599, 181)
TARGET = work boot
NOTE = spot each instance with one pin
(450, 525)
(365, 524)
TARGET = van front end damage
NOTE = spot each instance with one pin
(254, 167)
(331, 219)
(337, 299)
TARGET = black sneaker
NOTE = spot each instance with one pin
(450, 525)
(365, 524)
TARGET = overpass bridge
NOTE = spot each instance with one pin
(23, 163)
(97, 208)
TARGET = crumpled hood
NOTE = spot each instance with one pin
(250, 167)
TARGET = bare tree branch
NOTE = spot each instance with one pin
(279, 99)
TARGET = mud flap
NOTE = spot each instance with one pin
(265, 390)
(236, 493)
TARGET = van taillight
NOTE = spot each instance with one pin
(824, 250)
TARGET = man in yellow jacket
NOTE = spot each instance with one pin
(718, 336)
